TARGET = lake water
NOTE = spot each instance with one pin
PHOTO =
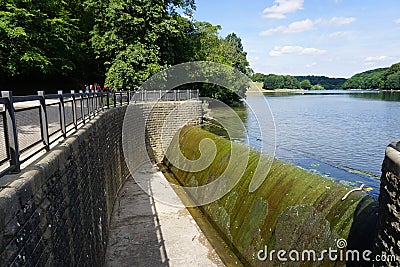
(337, 134)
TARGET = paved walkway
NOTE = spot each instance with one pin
(148, 233)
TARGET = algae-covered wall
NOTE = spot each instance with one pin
(292, 210)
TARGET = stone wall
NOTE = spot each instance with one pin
(164, 118)
(57, 211)
(388, 240)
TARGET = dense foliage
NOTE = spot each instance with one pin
(382, 78)
(325, 82)
(120, 43)
(207, 45)
(273, 81)
(44, 39)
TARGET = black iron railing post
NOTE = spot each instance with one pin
(62, 113)
(11, 131)
(115, 99)
(101, 101)
(120, 98)
(44, 124)
(94, 103)
(74, 113)
(108, 100)
(82, 105)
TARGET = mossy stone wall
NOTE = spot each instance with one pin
(292, 209)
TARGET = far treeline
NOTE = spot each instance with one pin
(273, 81)
(383, 78)
(52, 44)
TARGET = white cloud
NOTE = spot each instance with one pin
(300, 26)
(341, 20)
(273, 30)
(373, 60)
(397, 21)
(282, 7)
(278, 51)
(311, 64)
(307, 24)
(377, 58)
(339, 34)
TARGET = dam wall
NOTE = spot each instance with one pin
(292, 210)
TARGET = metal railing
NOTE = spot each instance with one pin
(172, 95)
(31, 124)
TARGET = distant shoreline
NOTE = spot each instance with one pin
(259, 88)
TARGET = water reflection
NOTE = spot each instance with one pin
(378, 95)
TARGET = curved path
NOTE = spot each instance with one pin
(148, 233)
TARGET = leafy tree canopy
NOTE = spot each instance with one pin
(273, 81)
(305, 84)
(382, 78)
(117, 42)
(36, 36)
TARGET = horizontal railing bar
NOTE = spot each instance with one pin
(52, 96)
(53, 104)
(4, 101)
(7, 170)
(29, 156)
(59, 130)
(30, 146)
(18, 99)
(4, 160)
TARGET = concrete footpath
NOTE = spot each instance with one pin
(145, 232)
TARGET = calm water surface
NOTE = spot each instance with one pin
(336, 134)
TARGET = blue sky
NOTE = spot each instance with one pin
(336, 38)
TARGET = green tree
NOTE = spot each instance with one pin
(306, 85)
(371, 79)
(209, 46)
(326, 82)
(38, 37)
(134, 38)
(317, 87)
(393, 81)
(258, 77)
(290, 82)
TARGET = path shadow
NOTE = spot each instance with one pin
(135, 237)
